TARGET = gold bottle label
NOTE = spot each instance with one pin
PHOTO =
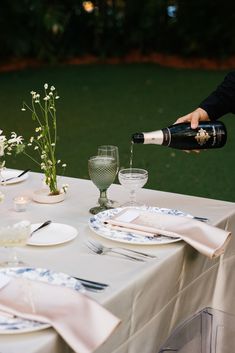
(202, 137)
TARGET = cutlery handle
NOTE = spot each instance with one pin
(139, 253)
(40, 227)
(82, 280)
(127, 256)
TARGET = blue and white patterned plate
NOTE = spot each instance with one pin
(9, 325)
(96, 223)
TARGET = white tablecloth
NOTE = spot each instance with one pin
(150, 298)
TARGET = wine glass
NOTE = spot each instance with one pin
(111, 151)
(13, 233)
(102, 172)
(132, 179)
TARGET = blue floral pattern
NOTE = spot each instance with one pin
(96, 223)
(19, 325)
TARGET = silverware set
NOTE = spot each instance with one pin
(130, 254)
(92, 286)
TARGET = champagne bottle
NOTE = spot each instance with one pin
(207, 135)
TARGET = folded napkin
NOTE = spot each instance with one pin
(82, 322)
(209, 240)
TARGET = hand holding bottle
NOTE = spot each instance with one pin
(194, 117)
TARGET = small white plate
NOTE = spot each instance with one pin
(53, 234)
(15, 325)
(12, 173)
(96, 223)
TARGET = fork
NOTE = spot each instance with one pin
(101, 250)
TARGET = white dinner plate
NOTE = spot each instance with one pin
(96, 223)
(15, 325)
(10, 173)
(53, 234)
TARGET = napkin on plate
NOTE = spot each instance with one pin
(82, 322)
(209, 240)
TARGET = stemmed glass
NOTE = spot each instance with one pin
(102, 172)
(132, 179)
(110, 151)
(13, 233)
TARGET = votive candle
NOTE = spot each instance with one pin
(21, 203)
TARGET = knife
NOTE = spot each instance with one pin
(89, 283)
(15, 177)
(40, 227)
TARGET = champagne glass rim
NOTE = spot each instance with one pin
(107, 146)
(133, 170)
(101, 157)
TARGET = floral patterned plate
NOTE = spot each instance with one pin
(15, 325)
(96, 223)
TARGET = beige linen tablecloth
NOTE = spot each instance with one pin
(150, 298)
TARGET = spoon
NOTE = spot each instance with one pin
(40, 227)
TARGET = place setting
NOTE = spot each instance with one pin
(22, 310)
(137, 224)
(102, 172)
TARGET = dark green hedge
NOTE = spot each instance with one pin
(54, 30)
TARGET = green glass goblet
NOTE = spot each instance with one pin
(102, 171)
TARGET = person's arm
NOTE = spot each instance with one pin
(222, 100)
(217, 104)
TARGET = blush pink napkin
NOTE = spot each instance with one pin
(209, 240)
(82, 322)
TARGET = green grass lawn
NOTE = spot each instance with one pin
(106, 104)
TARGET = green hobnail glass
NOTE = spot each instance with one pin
(102, 171)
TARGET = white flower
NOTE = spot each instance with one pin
(57, 97)
(31, 139)
(15, 139)
(45, 85)
(53, 144)
(64, 165)
(2, 147)
(36, 147)
(46, 98)
(52, 88)
(23, 109)
(38, 129)
(58, 162)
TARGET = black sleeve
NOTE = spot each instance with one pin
(222, 100)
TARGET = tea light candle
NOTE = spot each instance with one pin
(20, 203)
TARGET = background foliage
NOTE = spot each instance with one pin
(106, 104)
(55, 30)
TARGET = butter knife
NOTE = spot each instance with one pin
(15, 177)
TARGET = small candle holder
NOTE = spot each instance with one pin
(21, 203)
